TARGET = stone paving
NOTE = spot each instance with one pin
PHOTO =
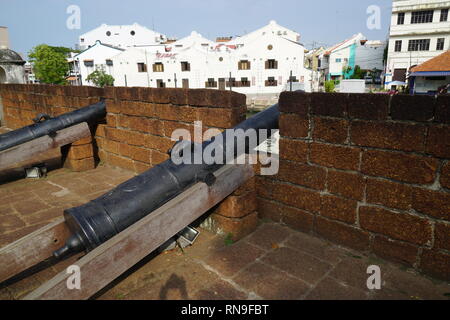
(275, 262)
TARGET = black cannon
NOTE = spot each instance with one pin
(44, 125)
(99, 220)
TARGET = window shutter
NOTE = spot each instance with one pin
(267, 64)
(276, 64)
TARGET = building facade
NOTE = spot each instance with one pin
(121, 36)
(420, 30)
(339, 61)
(96, 57)
(261, 62)
(432, 75)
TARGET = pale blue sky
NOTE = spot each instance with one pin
(32, 22)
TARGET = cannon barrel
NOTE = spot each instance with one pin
(99, 220)
(51, 125)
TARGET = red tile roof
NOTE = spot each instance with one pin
(439, 63)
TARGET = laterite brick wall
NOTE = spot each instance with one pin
(22, 103)
(366, 171)
(140, 121)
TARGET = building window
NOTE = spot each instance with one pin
(109, 62)
(401, 18)
(231, 83)
(292, 79)
(419, 45)
(271, 64)
(444, 15)
(160, 83)
(108, 33)
(244, 82)
(338, 60)
(142, 67)
(271, 82)
(82, 39)
(422, 16)
(399, 75)
(132, 32)
(435, 78)
(269, 47)
(440, 44)
(211, 83)
(185, 66)
(398, 46)
(244, 65)
(88, 63)
(158, 67)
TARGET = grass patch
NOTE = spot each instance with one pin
(229, 239)
(354, 256)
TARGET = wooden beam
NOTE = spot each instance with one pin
(35, 147)
(117, 255)
(32, 249)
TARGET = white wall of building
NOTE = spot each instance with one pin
(407, 31)
(368, 55)
(289, 55)
(273, 28)
(98, 53)
(208, 59)
(423, 85)
(338, 60)
(121, 36)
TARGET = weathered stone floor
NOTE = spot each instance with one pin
(274, 262)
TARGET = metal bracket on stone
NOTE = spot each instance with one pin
(36, 171)
(182, 239)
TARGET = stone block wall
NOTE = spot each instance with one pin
(367, 171)
(140, 121)
(22, 103)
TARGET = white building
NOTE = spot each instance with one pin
(121, 36)
(96, 57)
(183, 63)
(257, 63)
(356, 51)
(431, 75)
(420, 30)
(273, 28)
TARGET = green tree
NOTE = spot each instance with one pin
(100, 78)
(358, 73)
(49, 65)
(329, 86)
(64, 50)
